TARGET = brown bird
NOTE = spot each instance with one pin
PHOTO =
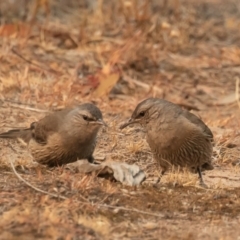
(175, 136)
(63, 136)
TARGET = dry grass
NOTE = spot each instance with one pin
(186, 53)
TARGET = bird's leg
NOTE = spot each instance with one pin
(163, 170)
(201, 178)
(162, 173)
(90, 159)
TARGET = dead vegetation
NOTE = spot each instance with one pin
(114, 54)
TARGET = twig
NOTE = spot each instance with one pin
(28, 108)
(237, 91)
(31, 186)
(128, 210)
(89, 203)
(35, 188)
(26, 60)
(113, 40)
(224, 177)
(188, 106)
(35, 64)
(143, 85)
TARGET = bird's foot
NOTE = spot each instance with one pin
(202, 184)
(157, 182)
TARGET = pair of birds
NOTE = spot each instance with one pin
(176, 136)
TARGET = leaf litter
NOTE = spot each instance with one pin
(115, 54)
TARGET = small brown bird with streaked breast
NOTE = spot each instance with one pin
(62, 137)
(175, 136)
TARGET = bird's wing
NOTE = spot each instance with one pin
(48, 125)
(197, 121)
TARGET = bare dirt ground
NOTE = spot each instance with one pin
(63, 53)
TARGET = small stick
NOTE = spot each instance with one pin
(237, 91)
(89, 203)
(35, 64)
(31, 186)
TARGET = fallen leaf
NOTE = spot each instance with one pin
(231, 98)
(106, 83)
(19, 29)
(130, 175)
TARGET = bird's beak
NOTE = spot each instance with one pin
(101, 122)
(129, 122)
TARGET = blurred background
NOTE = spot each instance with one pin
(183, 50)
(55, 53)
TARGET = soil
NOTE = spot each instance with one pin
(187, 53)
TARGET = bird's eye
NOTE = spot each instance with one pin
(89, 119)
(141, 114)
(85, 118)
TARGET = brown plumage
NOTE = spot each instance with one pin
(62, 137)
(175, 136)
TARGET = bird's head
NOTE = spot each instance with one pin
(87, 115)
(147, 110)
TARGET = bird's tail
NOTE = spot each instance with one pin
(24, 134)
